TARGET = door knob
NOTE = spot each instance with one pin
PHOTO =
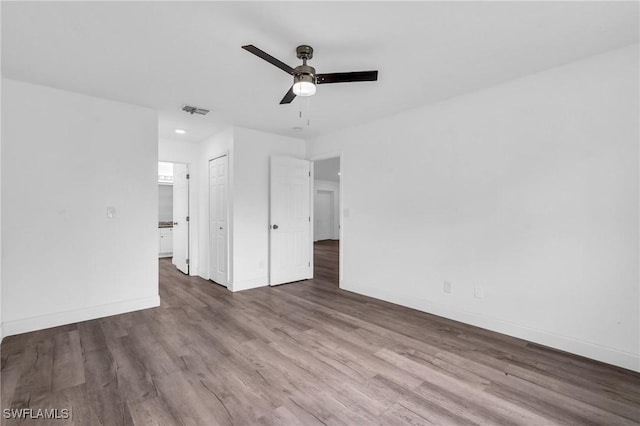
(175, 223)
(275, 226)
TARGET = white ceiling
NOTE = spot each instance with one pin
(327, 169)
(164, 54)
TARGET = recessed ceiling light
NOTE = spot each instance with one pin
(338, 173)
(180, 131)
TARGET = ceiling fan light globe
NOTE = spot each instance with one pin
(304, 88)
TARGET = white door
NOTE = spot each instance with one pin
(181, 217)
(218, 176)
(323, 215)
(290, 244)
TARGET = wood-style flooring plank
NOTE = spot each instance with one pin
(306, 353)
(68, 365)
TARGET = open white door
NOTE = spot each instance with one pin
(181, 217)
(218, 177)
(290, 216)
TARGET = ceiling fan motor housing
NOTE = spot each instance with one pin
(300, 78)
(304, 52)
(305, 73)
(304, 80)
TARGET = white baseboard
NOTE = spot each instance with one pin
(61, 318)
(564, 343)
(249, 284)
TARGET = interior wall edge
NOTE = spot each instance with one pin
(25, 325)
(553, 340)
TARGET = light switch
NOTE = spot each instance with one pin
(111, 212)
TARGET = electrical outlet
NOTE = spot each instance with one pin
(478, 292)
(448, 287)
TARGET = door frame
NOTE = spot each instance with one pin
(190, 212)
(326, 156)
(229, 284)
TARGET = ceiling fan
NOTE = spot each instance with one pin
(305, 77)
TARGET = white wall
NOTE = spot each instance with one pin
(219, 144)
(528, 190)
(1, 290)
(328, 185)
(66, 158)
(249, 152)
(252, 153)
(187, 153)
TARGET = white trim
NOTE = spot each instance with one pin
(564, 343)
(341, 227)
(249, 284)
(312, 218)
(61, 318)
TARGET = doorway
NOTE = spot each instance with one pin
(327, 220)
(173, 214)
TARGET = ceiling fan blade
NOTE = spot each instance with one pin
(347, 77)
(289, 97)
(264, 55)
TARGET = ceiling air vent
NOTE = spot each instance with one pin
(194, 110)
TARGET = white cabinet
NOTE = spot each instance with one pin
(165, 241)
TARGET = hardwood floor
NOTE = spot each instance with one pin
(301, 354)
(326, 261)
